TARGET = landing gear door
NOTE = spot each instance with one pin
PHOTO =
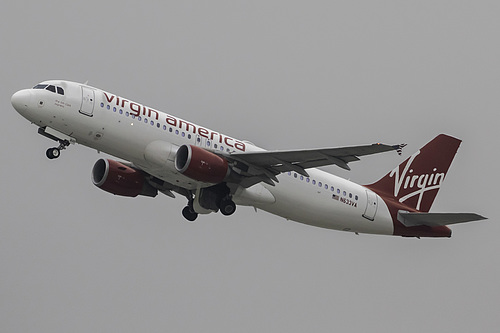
(371, 205)
(88, 98)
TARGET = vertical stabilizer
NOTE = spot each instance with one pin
(413, 185)
(416, 182)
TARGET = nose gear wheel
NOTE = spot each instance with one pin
(53, 153)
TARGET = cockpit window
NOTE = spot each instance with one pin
(50, 87)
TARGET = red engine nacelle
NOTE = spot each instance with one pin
(117, 178)
(201, 165)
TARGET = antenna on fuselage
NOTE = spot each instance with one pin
(86, 83)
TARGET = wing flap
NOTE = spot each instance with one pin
(299, 160)
(347, 154)
(411, 219)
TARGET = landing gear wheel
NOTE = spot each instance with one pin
(53, 153)
(189, 214)
(227, 207)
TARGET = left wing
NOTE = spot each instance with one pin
(264, 166)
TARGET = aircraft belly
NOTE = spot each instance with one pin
(309, 204)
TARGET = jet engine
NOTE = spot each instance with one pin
(120, 179)
(201, 165)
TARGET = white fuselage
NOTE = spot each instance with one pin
(128, 130)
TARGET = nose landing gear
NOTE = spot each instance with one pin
(56, 151)
(53, 153)
(63, 139)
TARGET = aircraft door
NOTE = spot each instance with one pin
(88, 98)
(371, 205)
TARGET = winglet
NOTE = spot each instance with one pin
(399, 148)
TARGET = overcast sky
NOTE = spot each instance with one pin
(284, 75)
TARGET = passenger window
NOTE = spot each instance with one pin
(51, 88)
(60, 91)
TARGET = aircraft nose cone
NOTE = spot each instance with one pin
(20, 100)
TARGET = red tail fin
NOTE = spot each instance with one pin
(415, 183)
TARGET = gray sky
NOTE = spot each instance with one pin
(283, 74)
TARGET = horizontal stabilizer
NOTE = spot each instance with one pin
(436, 219)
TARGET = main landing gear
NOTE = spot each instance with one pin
(208, 200)
(189, 213)
(227, 206)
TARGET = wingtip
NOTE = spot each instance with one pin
(399, 148)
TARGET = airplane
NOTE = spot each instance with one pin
(162, 153)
